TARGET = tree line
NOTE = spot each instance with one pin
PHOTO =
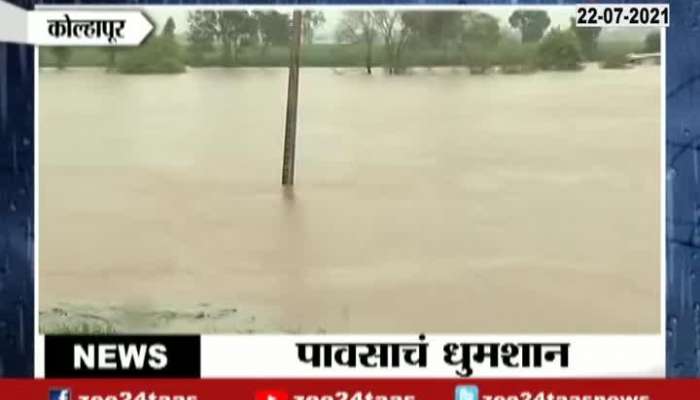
(235, 31)
(470, 33)
(392, 39)
(476, 38)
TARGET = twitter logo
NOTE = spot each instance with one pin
(466, 392)
(59, 394)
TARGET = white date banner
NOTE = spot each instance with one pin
(623, 15)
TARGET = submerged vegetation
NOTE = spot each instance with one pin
(159, 54)
(560, 50)
(392, 40)
(514, 57)
(615, 61)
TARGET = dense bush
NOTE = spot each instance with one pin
(514, 57)
(478, 59)
(159, 55)
(560, 50)
(608, 49)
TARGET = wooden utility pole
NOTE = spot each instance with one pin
(290, 127)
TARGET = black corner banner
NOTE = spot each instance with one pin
(122, 356)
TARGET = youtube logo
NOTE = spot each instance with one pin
(271, 395)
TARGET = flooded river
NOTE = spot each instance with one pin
(437, 202)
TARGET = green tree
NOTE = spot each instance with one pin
(169, 29)
(358, 27)
(479, 59)
(443, 27)
(274, 28)
(62, 55)
(396, 29)
(158, 55)
(588, 38)
(481, 29)
(652, 42)
(171, 49)
(233, 29)
(437, 29)
(311, 20)
(531, 23)
(560, 50)
(515, 57)
(236, 29)
(480, 36)
(200, 35)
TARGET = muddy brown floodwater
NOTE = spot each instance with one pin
(437, 202)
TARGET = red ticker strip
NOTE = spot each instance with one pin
(339, 389)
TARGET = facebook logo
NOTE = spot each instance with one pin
(59, 394)
(467, 392)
